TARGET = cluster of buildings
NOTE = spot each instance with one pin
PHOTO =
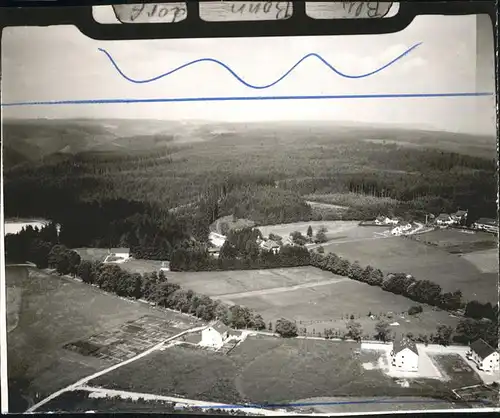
(460, 217)
(484, 355)
(265, 244)
(405, 356)
(486, 224)
(269, 245)
(385, 220)
(401, 229)
(457, 218)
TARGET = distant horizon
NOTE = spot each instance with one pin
(339, 123)
(74, 71)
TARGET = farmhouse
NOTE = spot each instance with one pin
(399, 230)
(217, 240)
(444, 219)
(117, 255)
(165, 266)
(484, 355)
(271, 246)
(217, 334)
(384, 220)
(404, 355)
(487, 224)
(214, 252)
(459, 216)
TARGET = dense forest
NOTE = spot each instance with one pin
(262, 175)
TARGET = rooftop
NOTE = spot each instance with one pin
(270, 244)
(405, 343)
(487, 221)
(482, 348)
(220, 327)
(119, 250)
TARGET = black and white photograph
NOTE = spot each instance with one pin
(251, 226)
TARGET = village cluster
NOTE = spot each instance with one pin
(403, 357)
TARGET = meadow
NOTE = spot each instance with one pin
(264, 370)
(398, 254)
(219, 283)
(486, 261)
(457, 241)
(79, 402)
(336, 230)
(314, 298)
(54, 311)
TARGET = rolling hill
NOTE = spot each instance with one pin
(34, 140)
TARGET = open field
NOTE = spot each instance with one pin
(337, 230)
(220, 283)
(322, 306)
(264, 370)
(128, 340)
(316, 299)
(80, 401)
(92, 254)
(479, 393)
(13, 226)
(344, 200)
(330, 405)
(13, 307)
(455, 240)
(485, 261)
(133, 265)
(141, 266)
(456, 369)
(398, 254)
(55, 311)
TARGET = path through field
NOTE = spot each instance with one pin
(81, 382)
(101, 392)
(279, 289)
(345, 241)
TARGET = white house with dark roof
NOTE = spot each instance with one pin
(404, 355)
(271, 246)
(117, 255)
(459, 216)
(217, 334)
(484, 355)
(444, 219)
(385, 220)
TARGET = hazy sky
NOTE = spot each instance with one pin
(60, 63)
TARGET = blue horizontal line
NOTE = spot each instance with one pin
(362, 402)
(244, 98)
(253, 86)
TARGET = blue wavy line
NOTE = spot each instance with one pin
(242, 81)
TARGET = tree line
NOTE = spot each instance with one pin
(153, 287)
(42, 247)
(423, 291)
(239, 252)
